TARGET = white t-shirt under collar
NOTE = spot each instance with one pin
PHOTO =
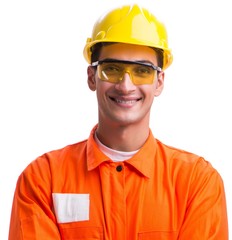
(114, 155)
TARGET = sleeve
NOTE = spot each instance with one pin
(32, 215)
(206, 213)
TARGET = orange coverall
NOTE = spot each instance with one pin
(79, 193)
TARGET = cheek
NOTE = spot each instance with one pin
(103, 86)
(101, 89)
(149, 90)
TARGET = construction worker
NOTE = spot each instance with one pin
(121, 182)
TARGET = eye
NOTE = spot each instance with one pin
(111, 68)
(143, 70)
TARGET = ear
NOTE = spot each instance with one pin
(91, 78)
(159, 84)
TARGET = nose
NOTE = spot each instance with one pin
(125, 85)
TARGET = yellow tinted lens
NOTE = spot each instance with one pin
(142, 74)
(111, 72)
(114, 72)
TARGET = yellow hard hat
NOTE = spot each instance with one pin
(130, 24)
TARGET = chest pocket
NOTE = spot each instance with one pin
(158, 235)
(71, 231)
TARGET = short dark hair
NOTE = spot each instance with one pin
(96, 49)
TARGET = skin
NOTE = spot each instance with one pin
(124, 108)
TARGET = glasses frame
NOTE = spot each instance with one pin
(109, 60)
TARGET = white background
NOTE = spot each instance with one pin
(45, 102)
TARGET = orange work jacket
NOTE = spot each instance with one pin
(79, 193)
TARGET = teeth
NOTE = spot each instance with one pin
(125, 102)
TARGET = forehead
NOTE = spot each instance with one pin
(128, 52)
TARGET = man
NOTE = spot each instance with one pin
(122, 182)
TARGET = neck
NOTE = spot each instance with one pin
(123, 138)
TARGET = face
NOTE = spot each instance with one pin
(124, 103)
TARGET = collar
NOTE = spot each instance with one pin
(142, 161)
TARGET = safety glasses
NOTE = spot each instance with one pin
(113, 70)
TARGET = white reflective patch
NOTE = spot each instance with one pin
(70, 207)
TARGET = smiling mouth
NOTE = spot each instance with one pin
(124, 101)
